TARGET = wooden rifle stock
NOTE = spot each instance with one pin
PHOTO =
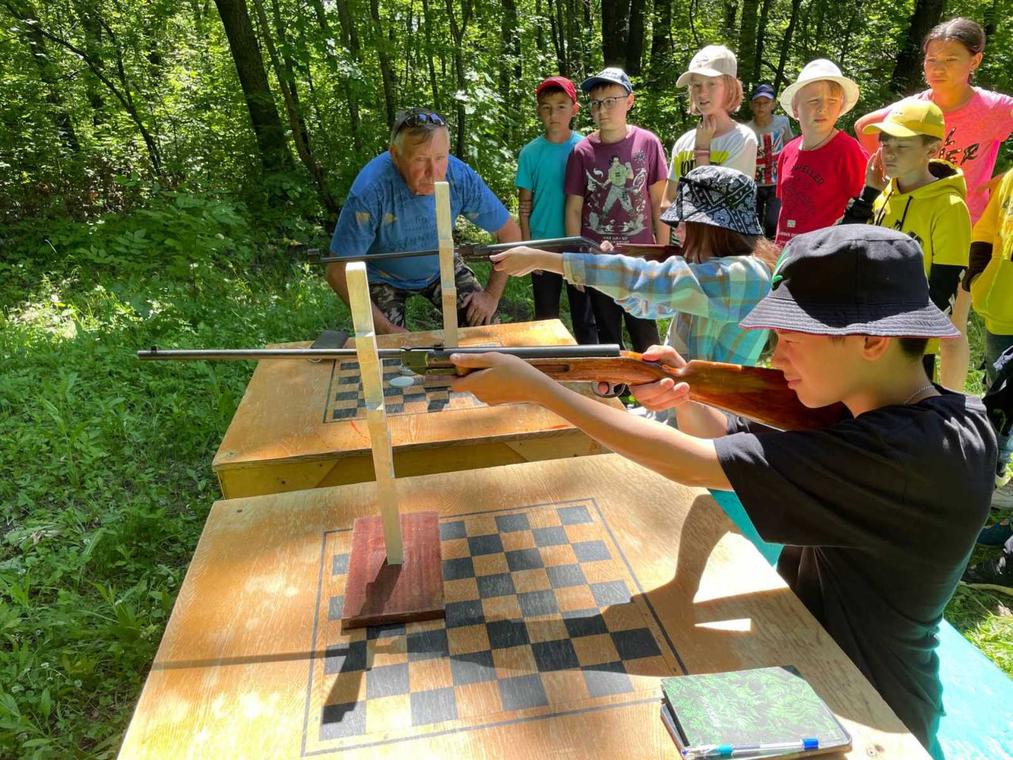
(755, 392)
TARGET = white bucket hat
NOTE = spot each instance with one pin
(816, 71)
(712, 61)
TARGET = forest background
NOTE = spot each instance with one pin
(164, 169)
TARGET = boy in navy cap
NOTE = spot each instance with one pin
(615, 183)
(851, 310)
(773, 132)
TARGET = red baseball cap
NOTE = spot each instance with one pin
(562, 83)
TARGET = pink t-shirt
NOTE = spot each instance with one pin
(974, 133)
(615, 179)
(815, 185)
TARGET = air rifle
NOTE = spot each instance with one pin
(481, 252)
(755, 392)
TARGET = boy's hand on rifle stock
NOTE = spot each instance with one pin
(502, 379)
(523, 260)
(664, 393)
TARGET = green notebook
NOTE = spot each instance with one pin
(760, 706)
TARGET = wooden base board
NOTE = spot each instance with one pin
(382, 594)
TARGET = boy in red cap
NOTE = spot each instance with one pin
(851, 309)
(540, 169)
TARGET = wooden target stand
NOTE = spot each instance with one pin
(395, 572)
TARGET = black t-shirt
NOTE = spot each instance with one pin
(879, 515)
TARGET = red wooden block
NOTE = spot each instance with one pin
(380, 594)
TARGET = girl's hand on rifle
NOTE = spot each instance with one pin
(523, 260)
(498, 378)
(665, 393)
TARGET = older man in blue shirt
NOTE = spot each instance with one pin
(391, 207)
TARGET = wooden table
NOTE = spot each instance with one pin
(572, 587)
(302, 425)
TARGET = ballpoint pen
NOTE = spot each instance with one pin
(750, 750)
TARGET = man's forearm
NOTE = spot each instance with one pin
(335, 275)
(701, 421)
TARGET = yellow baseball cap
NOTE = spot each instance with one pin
(912, 117)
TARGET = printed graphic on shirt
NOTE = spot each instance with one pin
(621, 186)
(770, 144)
(950, 151)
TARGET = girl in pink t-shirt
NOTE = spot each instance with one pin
(977, 120)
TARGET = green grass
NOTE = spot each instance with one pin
(106, 464)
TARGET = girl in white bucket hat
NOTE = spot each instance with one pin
(824, 168)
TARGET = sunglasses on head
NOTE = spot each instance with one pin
(416, 117)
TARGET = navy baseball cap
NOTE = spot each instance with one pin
(762, 91)
(610, 75)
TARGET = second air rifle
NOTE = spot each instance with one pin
(755, 392)
(482, 251)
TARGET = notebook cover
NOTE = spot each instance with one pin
(763, 705)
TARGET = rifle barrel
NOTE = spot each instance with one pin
(470, 251)
(254, 354)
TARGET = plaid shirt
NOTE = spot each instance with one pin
(706, 301)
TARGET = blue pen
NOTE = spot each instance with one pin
(750, 750)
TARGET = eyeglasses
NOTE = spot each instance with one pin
(416, 117)
(606, 103)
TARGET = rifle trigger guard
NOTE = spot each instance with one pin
(614, 391)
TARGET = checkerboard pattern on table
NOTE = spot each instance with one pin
(345, 400)
(542, 617)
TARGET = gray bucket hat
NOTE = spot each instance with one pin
(718, 196)
(853, 279)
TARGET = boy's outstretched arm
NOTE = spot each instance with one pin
(508, 380)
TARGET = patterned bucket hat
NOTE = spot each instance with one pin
(718, 196)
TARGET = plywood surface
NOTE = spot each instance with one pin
(299, 411)
(572, 587)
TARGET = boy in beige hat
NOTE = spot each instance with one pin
(925, 198)
(824, 168)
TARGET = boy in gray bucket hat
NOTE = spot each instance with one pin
(851, 310)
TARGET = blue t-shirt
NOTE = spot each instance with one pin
(540, 169)
(382, 215)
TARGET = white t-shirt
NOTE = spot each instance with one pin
(735, 149)
(770, 140)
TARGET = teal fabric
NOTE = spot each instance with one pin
(977, 696)
(540, 169)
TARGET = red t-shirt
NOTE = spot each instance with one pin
(815, 185)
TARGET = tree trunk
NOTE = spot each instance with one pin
(558, 38)
(50, 78)
(761, 34)
(747, 43)
(267, 127)
(786, 44)
(427, 28)
(907, 73)
(457, 30)
(635, 38)
(386, 69)
(731, 10)
(282, 65)
(614, 19)
(347, 92)
(661, 37)
(510, 50)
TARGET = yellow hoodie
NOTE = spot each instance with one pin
(935, 215)
(992, 290)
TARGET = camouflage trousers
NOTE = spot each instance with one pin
(391, 300)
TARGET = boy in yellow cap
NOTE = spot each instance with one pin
(925, 199)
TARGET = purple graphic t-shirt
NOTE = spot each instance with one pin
(615, 179)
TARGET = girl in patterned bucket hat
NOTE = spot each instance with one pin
(723, 274)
